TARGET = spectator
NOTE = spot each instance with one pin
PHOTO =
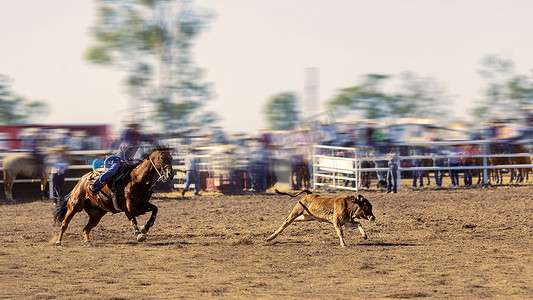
(59, 164)
(467, 162)
(259, 168)
(192, 168)
(454, 161)
(297, 168)
(392, 174)
(229, 165)
(439, 162)
(34, 141)
(61, 138)
(418, 175)
(78, 141)
(380, 163)
(242, 162)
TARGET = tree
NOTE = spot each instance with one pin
(367, 98)
(152, 40)
(416, 97)
(281, 112)
(419, 97)
(506, 95)
(15, 109)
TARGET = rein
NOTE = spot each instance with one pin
(158, 173)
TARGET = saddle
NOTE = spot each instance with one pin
(125, 170)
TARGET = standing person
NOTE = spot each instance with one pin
(379, 164)
(454, 161)
(468, 161)
(59, 164)
(417, 174)
(229, 164)
(439, 162)
(193, 172)
(130, 141)
(392, 174)
(259, 169)
(34, 142)
(296, 160)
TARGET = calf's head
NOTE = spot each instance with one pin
(363, 209)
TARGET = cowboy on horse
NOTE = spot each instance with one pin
(130, 139)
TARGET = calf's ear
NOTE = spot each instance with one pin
(355, 200)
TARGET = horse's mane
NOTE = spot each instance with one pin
(146, 155)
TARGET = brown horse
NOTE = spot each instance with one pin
(131, 194)
(23, 164)
(517, 174)
(498, 148)
(520, 174)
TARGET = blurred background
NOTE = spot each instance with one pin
(284, 73)
(243, 66)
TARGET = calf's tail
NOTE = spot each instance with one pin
(294, 195)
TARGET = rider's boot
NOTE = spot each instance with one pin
(95, 187)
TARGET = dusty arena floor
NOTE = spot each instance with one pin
(447, 243)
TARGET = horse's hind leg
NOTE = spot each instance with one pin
(74, 204)
(95, 215)
(150, 223)
(44, 180)
(8, 186)
(64, 225)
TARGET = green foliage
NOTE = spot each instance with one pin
(506, 95)
(367, 97)
(15, 109)
(151, 40)
(280, 111)
(416, 97)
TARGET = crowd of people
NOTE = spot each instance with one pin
(249, 165)
(453, 160)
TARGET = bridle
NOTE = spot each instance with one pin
(162, 177)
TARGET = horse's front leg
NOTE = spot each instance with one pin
(130, 214)
(141, 237)
(150, 223)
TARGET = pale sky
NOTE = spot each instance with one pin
(254, 49)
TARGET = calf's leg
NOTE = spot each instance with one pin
(297, 211)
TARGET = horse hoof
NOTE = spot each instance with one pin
(88, 244)
(58, 244)
(144, 230)
(141, 237)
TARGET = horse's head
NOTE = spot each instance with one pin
(161, 158)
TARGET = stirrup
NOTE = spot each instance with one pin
(93, 189)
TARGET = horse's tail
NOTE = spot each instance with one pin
(60, 209)
(294, 195)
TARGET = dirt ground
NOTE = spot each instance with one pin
(429, 243)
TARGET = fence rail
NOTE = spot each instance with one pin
(177, 166)
(339, 168)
